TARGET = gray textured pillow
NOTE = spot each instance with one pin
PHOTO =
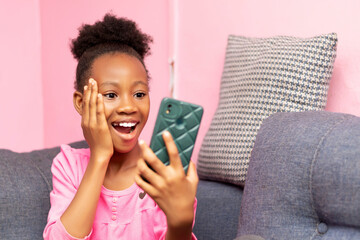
(262, 76)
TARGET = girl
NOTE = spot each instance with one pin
(99, 193)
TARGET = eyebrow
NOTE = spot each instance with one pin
(140, 82)
(108, 83)
(113, 83)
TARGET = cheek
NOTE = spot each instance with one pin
(146, 110)
(108, 109)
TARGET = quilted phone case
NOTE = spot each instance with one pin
(182, 120)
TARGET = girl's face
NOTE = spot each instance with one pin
(122, 80)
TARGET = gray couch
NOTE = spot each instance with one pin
(303, 183)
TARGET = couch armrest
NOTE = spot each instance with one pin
(303, 178)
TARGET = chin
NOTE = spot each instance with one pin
(124, 148)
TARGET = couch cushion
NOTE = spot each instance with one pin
(25, 185)
(303, 178)
(217, 211)
(262, 76)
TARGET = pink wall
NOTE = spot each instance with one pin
(59, 23)
(37, 109)
(203, 27)
(21, 100)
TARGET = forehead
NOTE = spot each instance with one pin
(118, 66)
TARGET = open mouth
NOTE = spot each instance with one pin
(124, 127)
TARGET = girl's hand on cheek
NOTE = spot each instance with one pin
(170, 188)
(94, 124)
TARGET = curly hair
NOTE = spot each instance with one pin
(111, 35)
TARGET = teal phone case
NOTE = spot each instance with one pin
(182, 120)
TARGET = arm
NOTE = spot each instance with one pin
(78, 217)
(65, 186)
(170, 188)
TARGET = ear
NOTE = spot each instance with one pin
(78, 100)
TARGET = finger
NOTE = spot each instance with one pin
(100, 110)
(151, 158)
(172, 150)
(93, 100)
(144, 185)
(85, 105)
(147, 173)
(192, 173)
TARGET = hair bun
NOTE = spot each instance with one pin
(111, 30)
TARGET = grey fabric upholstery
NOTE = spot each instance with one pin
(249, 237)
(217, 210)
(25, 185)
(24, 194)
(304, 178)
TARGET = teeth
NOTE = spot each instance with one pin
(127, 124)
(124, 124)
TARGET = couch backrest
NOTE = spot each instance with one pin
(25, 185)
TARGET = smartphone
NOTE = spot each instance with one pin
(182, 120)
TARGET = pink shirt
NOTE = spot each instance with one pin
(119, 215)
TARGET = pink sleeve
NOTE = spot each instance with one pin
(65, 184)
(160, 229)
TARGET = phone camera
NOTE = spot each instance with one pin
(168, 111)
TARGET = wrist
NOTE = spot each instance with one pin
(180, 230)
(180, 220)
(99, 159)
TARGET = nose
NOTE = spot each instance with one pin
(126, 105)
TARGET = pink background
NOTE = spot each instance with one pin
(37, 70)
(21, 99)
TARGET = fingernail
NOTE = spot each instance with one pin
(166, 134)
(85, 87)
(99, 95)
(141, 142)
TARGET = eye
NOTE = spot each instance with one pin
(110, 95)
(139, 95)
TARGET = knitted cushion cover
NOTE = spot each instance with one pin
(262, 76)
